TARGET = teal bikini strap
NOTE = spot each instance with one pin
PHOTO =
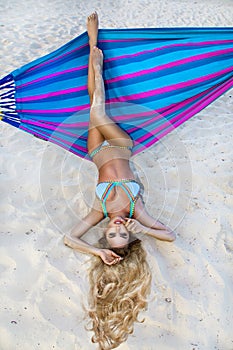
(105, 196)
(131, 198)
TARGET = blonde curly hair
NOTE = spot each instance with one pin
(117, 294)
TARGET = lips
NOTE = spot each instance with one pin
(118, 222)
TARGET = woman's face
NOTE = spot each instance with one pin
(116, 233)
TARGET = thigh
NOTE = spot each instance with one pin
(95, 138)
(110, 130)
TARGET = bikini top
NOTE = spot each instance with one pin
(131, 188)
(106, 145)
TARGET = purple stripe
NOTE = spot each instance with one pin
(120, 40)
(169, 65)
(205, 102)
(160, 113)
(56, 58)
(52, 76)
(128, 117)
(173, 87)
(80, 125)
(51, 94)
(60, 141)
(205, 43)
(184, 116)
(53, 127)
(176, 121)
(84, 125)
(136, 96)
(54, 111)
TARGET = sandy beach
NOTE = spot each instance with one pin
(44, 190)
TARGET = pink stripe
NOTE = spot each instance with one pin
(205, 102)
(135, 96)
(54, 127)
(51, 94)
(173, 108)
(59, 142)
(128, 117)
(79, 125)
(173, 123)
(205, 43)
(56, 58)
(120, 40)
(34, 133)
(146, 114)
(54, 111)
(52, 76)
(169, 65)
(84, 125)
(170, 88)
(182, 117)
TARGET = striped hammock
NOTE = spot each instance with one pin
(155, 80)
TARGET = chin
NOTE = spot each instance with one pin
(120, 246)
(116, 220)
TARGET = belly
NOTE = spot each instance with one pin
(113, 164)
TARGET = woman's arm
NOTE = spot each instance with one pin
(74, 241)
(146, 224)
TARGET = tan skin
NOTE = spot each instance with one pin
(112, 163)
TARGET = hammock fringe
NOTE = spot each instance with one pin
(8, 107)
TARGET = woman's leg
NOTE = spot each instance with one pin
(98, 117)
(101, 127)
(92, 29)
(95, 138)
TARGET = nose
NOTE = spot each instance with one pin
(118, 227)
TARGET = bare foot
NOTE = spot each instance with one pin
(97, 59)
(92, 28)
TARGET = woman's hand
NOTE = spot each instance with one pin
(109, 257)
(134, 226)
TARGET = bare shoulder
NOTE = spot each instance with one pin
(139, 208)
(97, 209)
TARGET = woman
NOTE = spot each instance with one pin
(118, 292)
(117, 190)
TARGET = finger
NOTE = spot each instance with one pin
(115, 255)
(117, 260)
(128, 222)
(130, 226)
(107, 261)
(112, 262)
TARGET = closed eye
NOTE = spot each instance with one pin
(124, 235)
(112, 234)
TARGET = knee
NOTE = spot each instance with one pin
(97, 114)
(131, 143)
(128, 141)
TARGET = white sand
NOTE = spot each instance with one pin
(44, 283)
